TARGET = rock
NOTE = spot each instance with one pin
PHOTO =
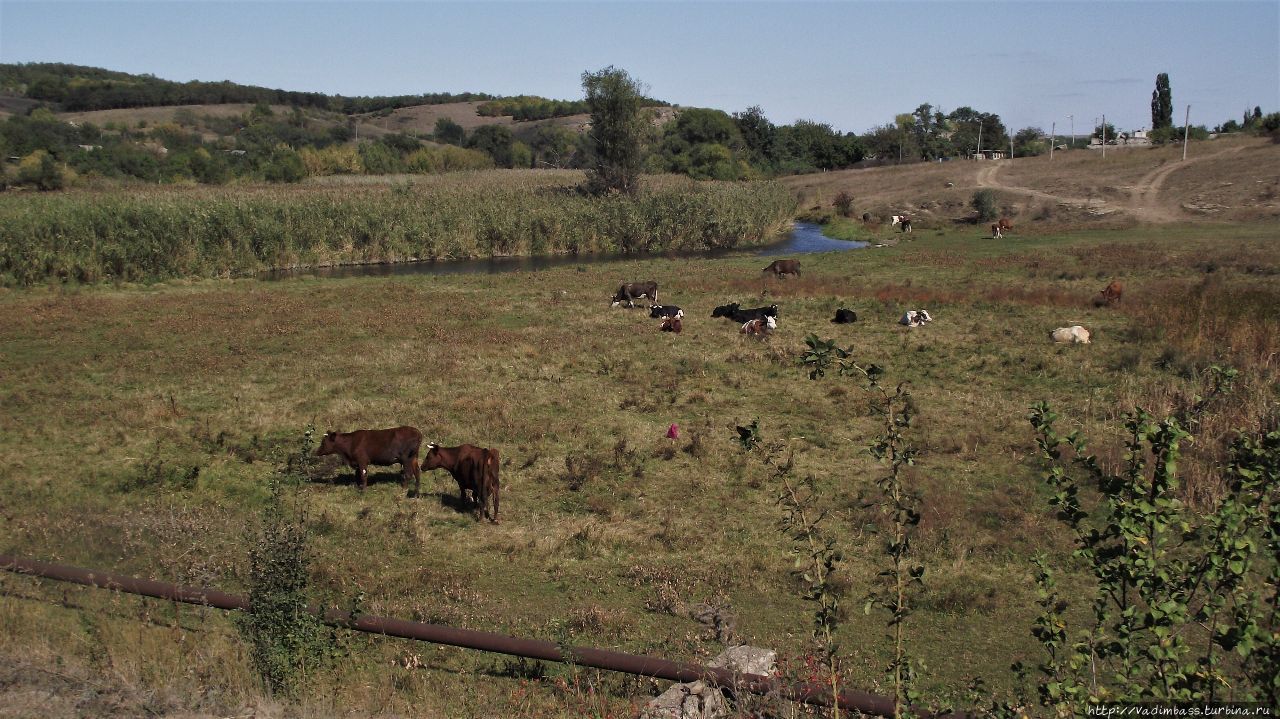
(699, 700)
(689, 700)
(746, 660)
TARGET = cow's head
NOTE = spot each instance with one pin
(771, 322)
(431, 460)
(328, 445)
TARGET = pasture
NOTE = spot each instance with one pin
(141, 425)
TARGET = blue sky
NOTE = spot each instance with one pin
(851, 64)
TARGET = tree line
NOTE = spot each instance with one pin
(76, 88)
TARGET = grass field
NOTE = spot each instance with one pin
(141, 425)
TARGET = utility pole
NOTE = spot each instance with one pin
(979, 137)
(1053, 138)
(1104, 135)
(1072, 118)
(1186, 133)
(1011, 147)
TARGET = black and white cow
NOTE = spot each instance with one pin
(734, 312)
(915, 318)
(629, 292)
(660, 311)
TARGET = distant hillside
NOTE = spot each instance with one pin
(76, 88)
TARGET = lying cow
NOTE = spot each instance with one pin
(783, 267)
(915, 318)
(671, 324)
(1073, 334)
(380, 447)
(1110, 294)
(737, 314)
(844, 317)
(659, 311)
(629, 292)
(474, 468)
(761, 327)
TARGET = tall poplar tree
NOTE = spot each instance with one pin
(1161, 103)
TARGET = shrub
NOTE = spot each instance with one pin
(984, 201)
(286, 641)
(843, 203)
(41, 171)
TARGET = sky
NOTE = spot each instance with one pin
(853, 65)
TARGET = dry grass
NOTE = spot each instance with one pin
(1228, 179)
(111, 395)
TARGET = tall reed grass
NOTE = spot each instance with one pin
(152, 235)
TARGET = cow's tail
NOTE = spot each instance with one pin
(490, 483)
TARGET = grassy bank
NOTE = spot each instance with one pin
(140, 427)
(160, 234)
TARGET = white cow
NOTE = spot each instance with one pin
(1074, 333)
(915, 318)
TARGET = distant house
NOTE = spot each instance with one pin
(1137, 138)
(987, 155)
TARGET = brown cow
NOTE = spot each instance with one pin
(783, 267)
(999, 228)
(380, 447)
(474, 468)
(1110, 294)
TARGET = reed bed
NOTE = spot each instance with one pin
(144, 236)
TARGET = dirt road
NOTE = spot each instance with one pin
(1144, 202)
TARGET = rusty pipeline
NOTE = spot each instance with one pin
(863, 702)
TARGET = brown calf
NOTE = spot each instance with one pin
(380, 447)
(474, 468)
(1110, 294)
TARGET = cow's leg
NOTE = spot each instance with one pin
(417, 476)
(362, 474)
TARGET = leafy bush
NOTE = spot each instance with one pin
(984, 201)
(1185, 603)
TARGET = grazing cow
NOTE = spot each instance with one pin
(629, 292)
(844, 317)
(783, 267)
(380, 447)
(1074, 333)
(761, 327)
(1110, 294)
(474, 468)
(904, 221)
(915, 318)
(659, 311)
(999, 228)
(671, 324)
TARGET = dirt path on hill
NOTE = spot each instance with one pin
(1144, 203)
(987, 178)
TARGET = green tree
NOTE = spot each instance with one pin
(496, 141)
(449, 132)
(554, 146)
(614, 99)
(1029, 141)
(1111, 132)
(969, 126)
(1161, 103)
(758, 134)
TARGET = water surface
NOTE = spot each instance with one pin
(805, 238)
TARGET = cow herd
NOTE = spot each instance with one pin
(475, 468)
